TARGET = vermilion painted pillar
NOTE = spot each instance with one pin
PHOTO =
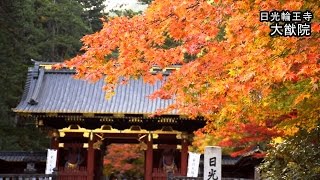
(54, 143)
(149, 159)
(184, 157)
(90, 161)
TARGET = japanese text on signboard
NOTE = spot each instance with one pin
(193, 164)
(212, 163)
(212, 172)
(288, 23)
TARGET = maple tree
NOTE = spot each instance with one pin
(249, 86)
(125, 159)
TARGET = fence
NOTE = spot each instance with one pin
(73, 174)
(200, 178)
(184, 178)
(28, 176)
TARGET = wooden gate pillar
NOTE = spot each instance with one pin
(54, 144)
(149, 159)
(184, 157)
(90, 159)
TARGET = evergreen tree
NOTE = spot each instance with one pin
(17, 34)
(93, 11)
(45, 30)
(63, 28)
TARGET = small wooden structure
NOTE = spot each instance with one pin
(82, 122)
(22, 162)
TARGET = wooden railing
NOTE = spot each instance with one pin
(201, 178)
(27, 176)
(184, 178)
(62, 174)
(72, 174)
(159, 174)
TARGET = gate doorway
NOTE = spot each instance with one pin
(124, 161)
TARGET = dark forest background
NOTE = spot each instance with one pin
(43, 30)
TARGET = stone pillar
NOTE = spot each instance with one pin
(90, 159)
(184, 157)
(149, 159)
(256, 173)
(212, 162)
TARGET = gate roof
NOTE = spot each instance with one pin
(56, 91)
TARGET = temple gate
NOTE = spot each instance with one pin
(81, 122)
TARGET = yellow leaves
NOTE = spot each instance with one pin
(290, 130)
(228, 112)
(109, 95)
(301, 97)
(313, 124)
(211, 2)
(277, 140)
(279, 49)
(262, 40)
(265, 104)
(232, 72)
(110, 79)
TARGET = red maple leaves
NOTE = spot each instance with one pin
(231, 69)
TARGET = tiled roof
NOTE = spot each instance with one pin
(22, 156)
(226, 160)
(56, 91)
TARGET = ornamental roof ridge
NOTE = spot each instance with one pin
(49, 66)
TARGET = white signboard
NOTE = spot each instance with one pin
(193, 164)
(212, 163)
(51, 160)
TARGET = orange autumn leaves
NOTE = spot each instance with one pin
(125, 159)
(233, 73)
